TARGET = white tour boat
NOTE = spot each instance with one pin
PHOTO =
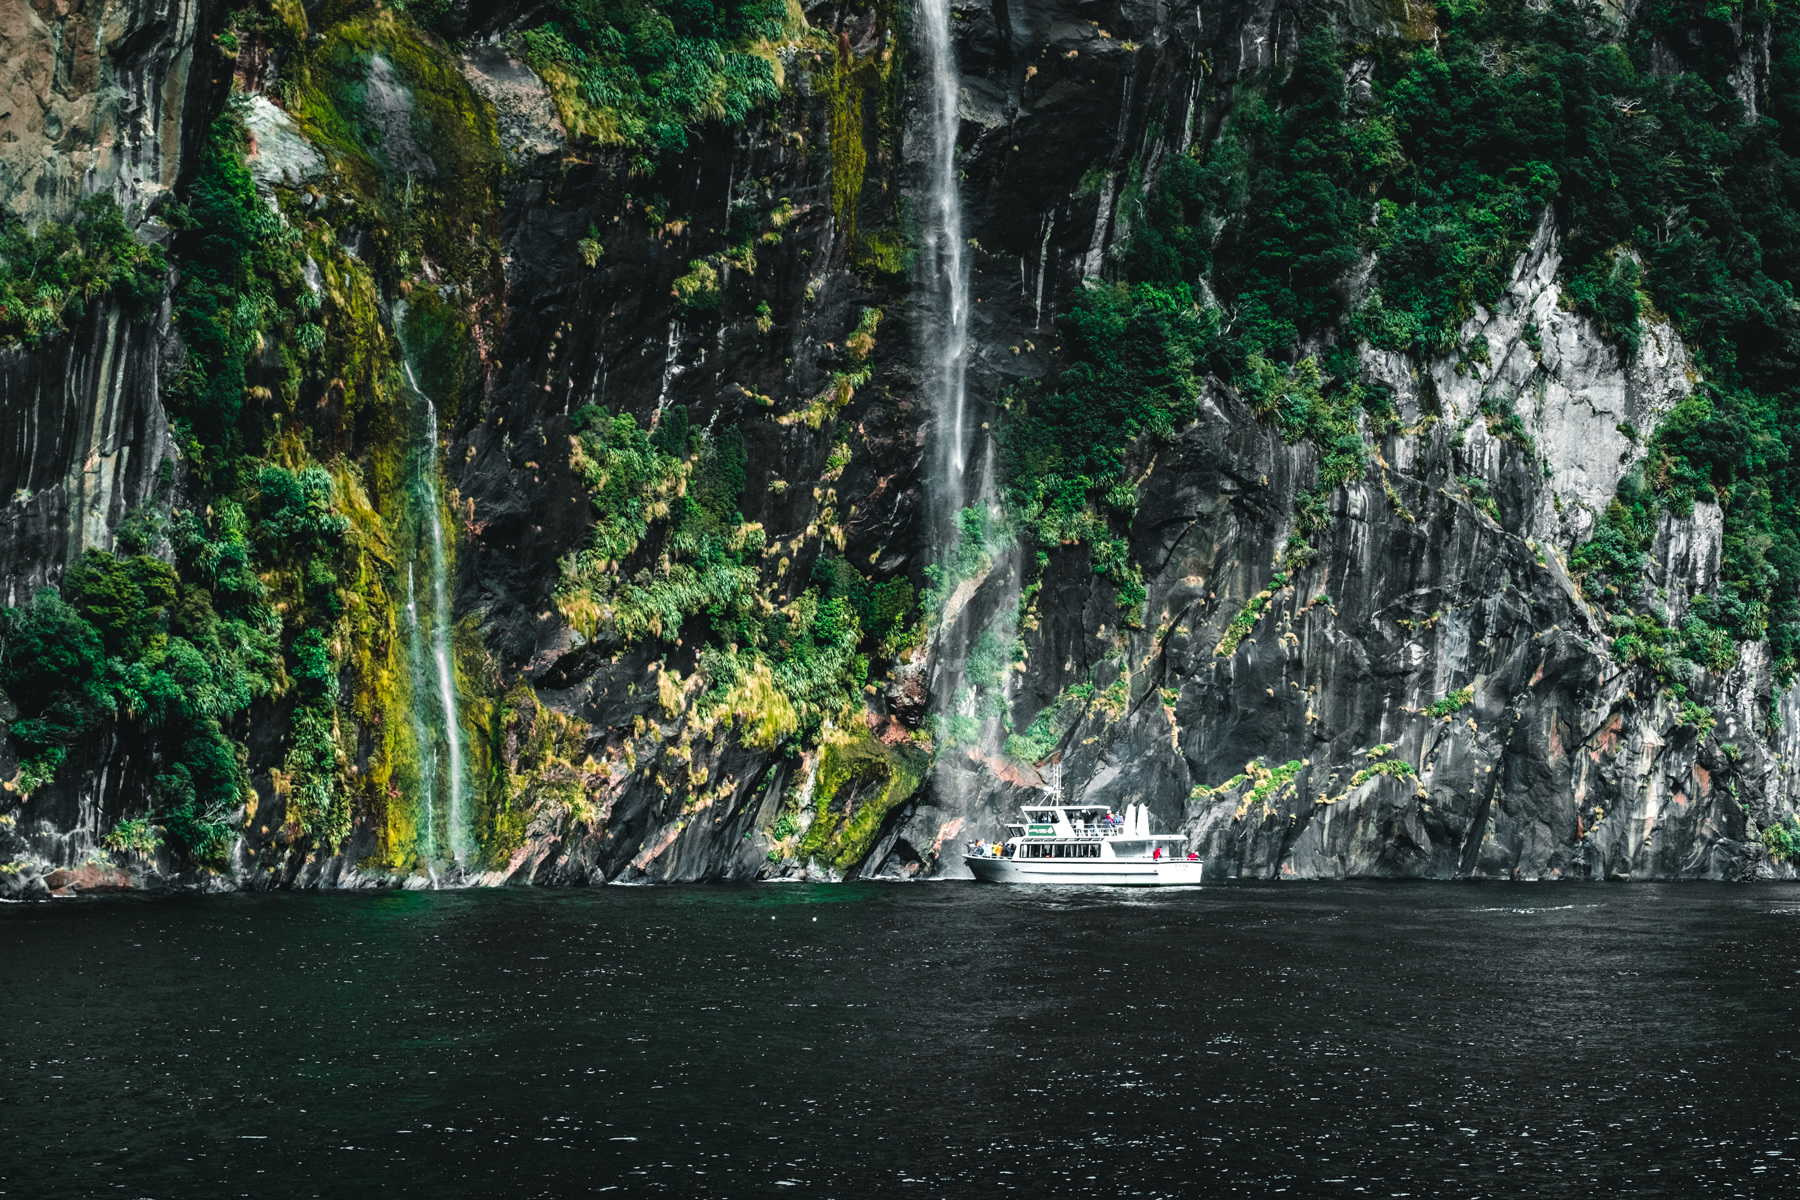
(1084, 844)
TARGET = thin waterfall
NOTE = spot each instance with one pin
(438, 562)
(944, 246)
(977, 620)
(436, 720)
(422, 739)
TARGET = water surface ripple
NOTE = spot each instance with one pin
(919, 1040)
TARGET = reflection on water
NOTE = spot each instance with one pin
(948, 1040)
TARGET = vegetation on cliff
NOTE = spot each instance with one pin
(289, 411)
(48, 278)
(677, 490)
(1670, 195)
(641, 75)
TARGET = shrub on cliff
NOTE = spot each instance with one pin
(640, 74)
(48, 278)
(53, 666)
(1135, 357)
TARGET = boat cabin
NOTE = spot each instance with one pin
(1068, 821)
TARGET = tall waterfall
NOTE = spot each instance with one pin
(436, 721)
(425, 744)
(440, 630)
(944, 246)
(441, 637)
(975, 641)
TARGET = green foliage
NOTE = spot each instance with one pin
(195, 795)
(698, 290)
(630, 479)
(1727, 446)
(180, 650)
(1267, 785)
(1481, 496)
(1267, 214)
(1396, 768)
(641, 75)
(314, 802)
(127, 599)
(710, 568)
(1699, 717)
(978, 538)
(298, 518)
(241, 284)
(1134, 352)
(138, 646)
(133, 835)
(1782, 840)
(1666, 200)
(1455, 702)
(48, 279)
(1135, 357)
(53, 665)
(590, 248)
(1241, 624)
(1286, 174)
(287, 362)
(240, 264)
(1050, 726)
(882, 609)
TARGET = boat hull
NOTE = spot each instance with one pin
(1093, 872)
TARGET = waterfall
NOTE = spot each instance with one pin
(441, 624)
(977, 609)
(435, 718)
(944, 246)
(426, 745)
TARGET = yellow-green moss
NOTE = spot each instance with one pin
(764, 714)
(1246, 617)
(1267, 785)
(878, 776)
(849, 157)
(450, 216)
(524, 757)
(447, 215)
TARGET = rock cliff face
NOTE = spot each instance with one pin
(1432, 694)
(99, 97)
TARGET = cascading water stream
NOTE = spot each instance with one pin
(435, 720)
(437, 562)
(977, 621)
(427, 745)
(944, 245)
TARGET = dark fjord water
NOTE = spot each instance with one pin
(923, 1040)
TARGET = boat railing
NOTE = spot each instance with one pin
(1097, 829)
(1082, 829)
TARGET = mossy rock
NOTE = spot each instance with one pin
(861, 779)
